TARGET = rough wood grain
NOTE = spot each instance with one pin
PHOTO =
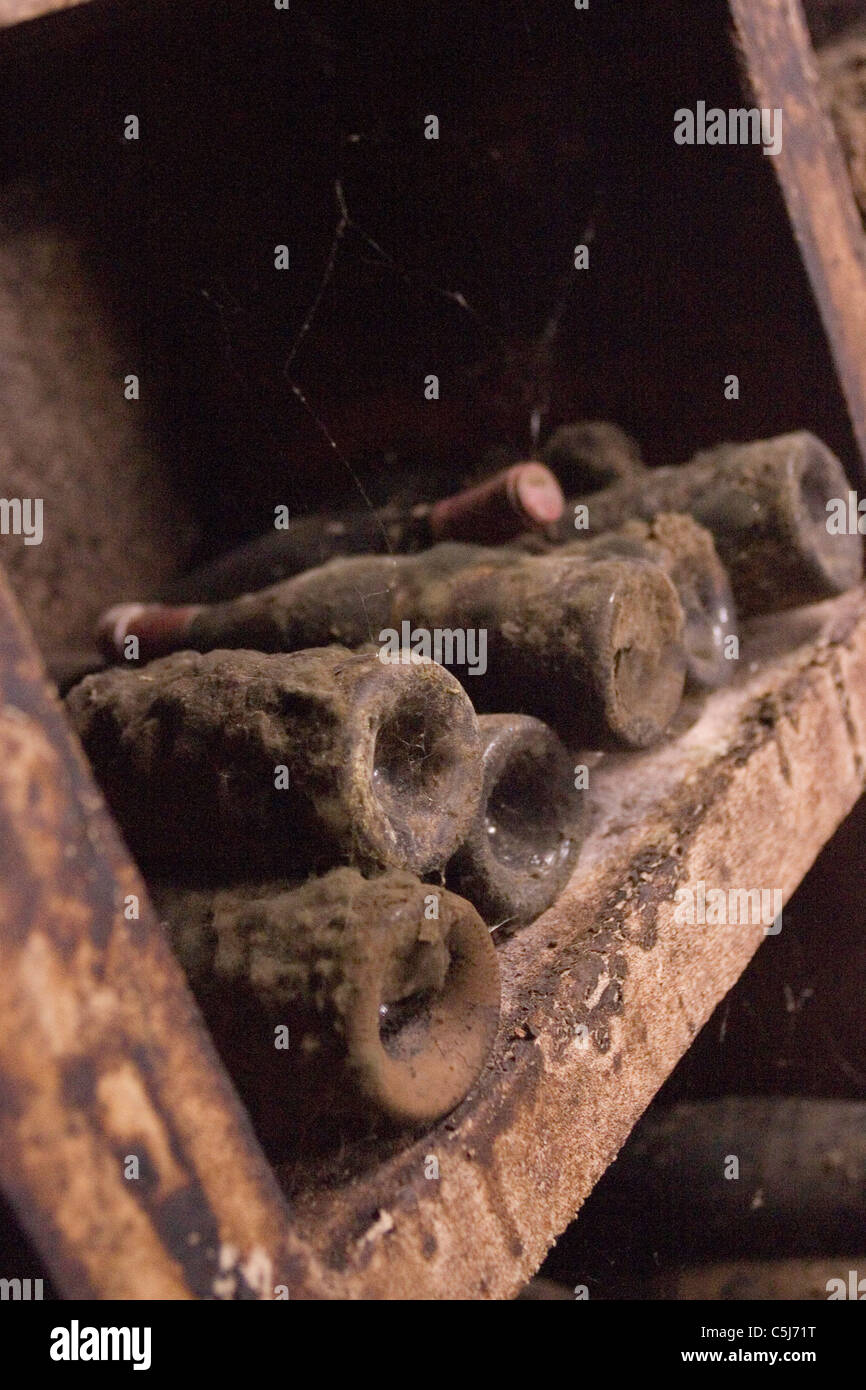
(102, 1052)
(781, 72)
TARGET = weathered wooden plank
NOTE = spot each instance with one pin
(780, 69)
(102, 1052)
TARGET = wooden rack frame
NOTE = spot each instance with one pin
(103, 1053)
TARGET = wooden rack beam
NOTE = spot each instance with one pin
(780, 71)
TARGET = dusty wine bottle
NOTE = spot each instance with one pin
(316, 757)
(346, 998)
(526, 837)
(593, 647)
(591, 454)
(688, 555)
(765, 504)
(512, 500)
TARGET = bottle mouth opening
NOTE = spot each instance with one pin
(404, 1024)
(531, 823)
(429, 1016)
(524, 815)
(424, 768)
(836, 553)
(410, 756)
(709, 621)
(815, 492)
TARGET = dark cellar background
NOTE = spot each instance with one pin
(551, 133)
